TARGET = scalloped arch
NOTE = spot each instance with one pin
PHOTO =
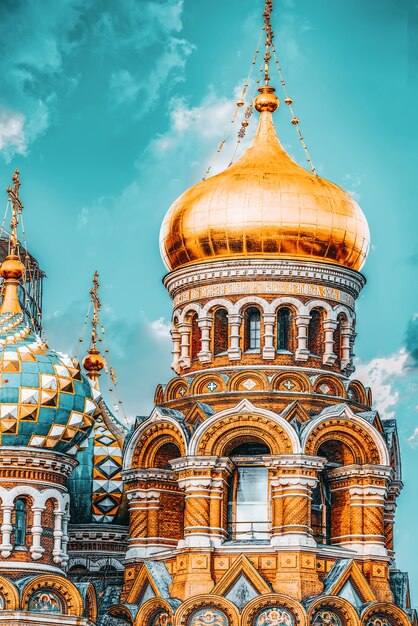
(261, 381)
(206, 600)
(150, 608)
(347, 611)
(67, 591)
(10, 594)
(152, 438)
(301, 379)
(270, 600)
(385, 609)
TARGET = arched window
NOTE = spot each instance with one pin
(20, 523)
(321, 511)
(284, 329)
(252, 329)
(315, 334)
(248, 497)
(341, 319)
(194, 337)
(220, 332)
(166, 453)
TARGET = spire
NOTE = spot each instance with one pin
(12, 269)
(93, 362)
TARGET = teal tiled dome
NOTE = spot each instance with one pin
(45, 400)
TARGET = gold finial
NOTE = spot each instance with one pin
(268, 8)
(93, 362)
(12, 269)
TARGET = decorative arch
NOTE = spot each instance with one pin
(291, 382)
(159, 395)
(249, 301)
(9, 595)
(150, 610)
(320, 304)
(329, 386)
(207, 383)
(247, 422)
(396, 615)
(176, 388)
(119, 610)
(188, 310)
(218, 303)
(65, 590)
(293, 303)
(356, 392)
(148, 434)
(340, 606)
(248, 381)
(273, 600)
(187, 608)
(91, 603)
(349, 428)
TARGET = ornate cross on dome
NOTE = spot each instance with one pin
(269, 38)
(17, 207)
(94, 293)
(94, 362)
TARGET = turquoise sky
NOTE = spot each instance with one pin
(112, 109)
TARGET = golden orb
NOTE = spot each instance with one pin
(265, 206)
(94, 361)
(12, 268)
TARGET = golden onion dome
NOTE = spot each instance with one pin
(265, 206)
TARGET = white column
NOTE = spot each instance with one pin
(184, 329)
(345, 345)
(269, 351)
(176, 350)
(234, 350)
(6, 531)
(329, 355)
(36, 549)
(205, 324)
(65, 539)
(56, 552)
(302, 323)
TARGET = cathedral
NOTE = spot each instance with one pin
(261, 490)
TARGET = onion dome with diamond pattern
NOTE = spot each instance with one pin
(45, 400)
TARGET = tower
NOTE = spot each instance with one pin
(262, 488)
(46, 413)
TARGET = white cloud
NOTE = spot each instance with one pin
(380, 374)
(160, 328)
(12, 134)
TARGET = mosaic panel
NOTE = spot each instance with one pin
(379, 620)
(274, 616)
(107, 477)
(324, 617)
(162, 619)
(208, 616)
(45, 602)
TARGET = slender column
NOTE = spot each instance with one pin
(350, 367)
(329, 355)
(234, 350)
(65, 538)
(302, 323)
(269, 351)
(36, 549)
(205, 325)
(56, 552)
(6, 531)
(345, 345)
(219, 487)
(293, 478)
(184, 329)
(176, 350)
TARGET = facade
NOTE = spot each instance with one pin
(262, 488)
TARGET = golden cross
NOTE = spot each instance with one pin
(17, 206)
(94, 293)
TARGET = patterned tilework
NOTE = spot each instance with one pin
(107, 477)
(45, 401)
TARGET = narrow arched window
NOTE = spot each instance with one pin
(315, 334)
(321, 511)
(220, 332)
(252, 329)
(194, 337)
(20, 522)
(284, 329)
(338, 341)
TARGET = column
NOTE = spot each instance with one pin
(345, 345)
(234, 350)
(205, 325)
(65, 538)
(6, 531)
(218, 500)
(293, 478)
(176, 350)
(361, 493)
(269, 350)
(36, 549)
(56, 552)
(329, 355)
(302, 323)
(184, 329)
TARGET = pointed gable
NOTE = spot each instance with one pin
(241, 583)
(346, 580)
